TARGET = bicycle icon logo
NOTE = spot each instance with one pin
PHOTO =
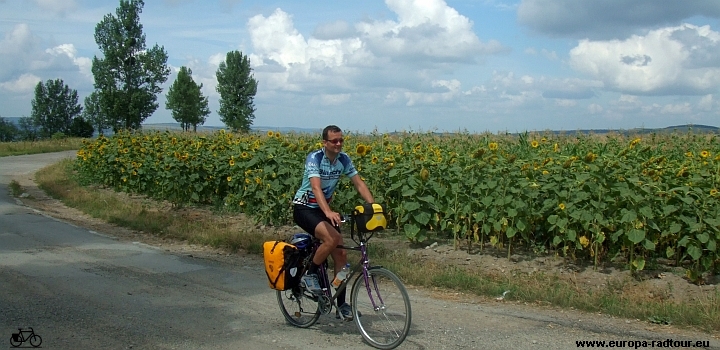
(22, 336)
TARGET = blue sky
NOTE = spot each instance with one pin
(421, 65)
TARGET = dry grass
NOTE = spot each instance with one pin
(236, 232)
(32, 147)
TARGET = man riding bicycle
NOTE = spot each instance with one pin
(312, 211)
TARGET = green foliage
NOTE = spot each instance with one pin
(129, 76)
(81, 128)
(185, 99)
(27, 129)
(237, 88)
(54, 107)
(587, 198)
(8, 131)
(92, 113)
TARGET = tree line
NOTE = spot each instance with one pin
(127, 80)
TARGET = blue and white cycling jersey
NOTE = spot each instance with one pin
(318, 165)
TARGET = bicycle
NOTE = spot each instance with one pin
(382, 314)
(18, 338)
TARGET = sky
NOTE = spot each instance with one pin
(414, 65)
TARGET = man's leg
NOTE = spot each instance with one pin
(330, 239)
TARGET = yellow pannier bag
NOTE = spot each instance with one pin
(282, 264)
(370, 217)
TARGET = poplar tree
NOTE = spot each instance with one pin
(185, 99)
(129, 75)
(237, 88)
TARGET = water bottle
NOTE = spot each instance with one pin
(341, 276)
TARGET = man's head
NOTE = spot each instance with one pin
(332, 139)
(328, 129)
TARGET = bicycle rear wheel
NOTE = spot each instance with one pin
(386, 324)
(299, 306)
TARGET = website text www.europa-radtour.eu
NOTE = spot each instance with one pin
(640, 344)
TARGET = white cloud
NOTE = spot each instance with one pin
(428, 34)
(84, 64)
(25, 83)
(683, 108)
(706, 103)
(595, 108)
(452, 87)
(425, 30)
(665, 61)
(565, 103)
(331, 100)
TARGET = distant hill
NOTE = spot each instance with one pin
(14, 120)
(176, 126)
(676, 128)
(670, 129)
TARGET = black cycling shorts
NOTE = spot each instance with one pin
(308, 218)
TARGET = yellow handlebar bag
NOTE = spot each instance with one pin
(370, 217)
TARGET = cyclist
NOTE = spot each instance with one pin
(312, 211)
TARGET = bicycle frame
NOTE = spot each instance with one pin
(22, 333)
(364, 266)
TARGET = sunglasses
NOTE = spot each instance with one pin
(336, 141)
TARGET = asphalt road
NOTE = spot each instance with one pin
(81, 289)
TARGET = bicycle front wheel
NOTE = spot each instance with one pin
(381, 308)
(299, 306)
(35, 340)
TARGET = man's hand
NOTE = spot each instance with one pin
(334, 218)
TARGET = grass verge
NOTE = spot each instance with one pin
(16, 148)
(15, 189)
(233, 233)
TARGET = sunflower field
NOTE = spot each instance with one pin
(586, 196)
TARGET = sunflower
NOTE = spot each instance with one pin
(232, 162)
(258, 180)
(534, 144)
(229, 178)
(561, 206)
(270, 133)
(704, 154)
(713, 192)
(374, 160)
(590, 157)
(634, 142)
(584, 241)
(361, 150)
(424, 174)
(493, 146)
(244, 155)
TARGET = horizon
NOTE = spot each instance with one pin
(495, 65)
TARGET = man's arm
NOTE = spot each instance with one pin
(362, 189)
